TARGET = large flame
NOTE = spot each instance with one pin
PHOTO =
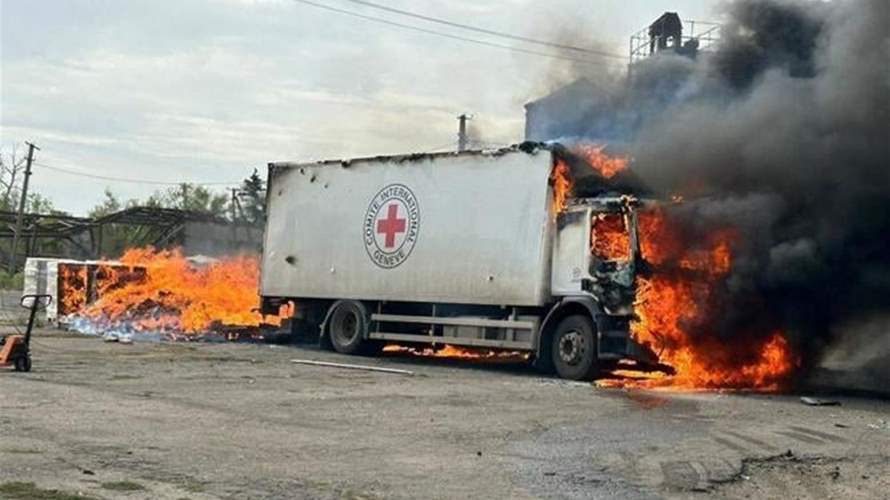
(607, 165)
(561, 181)
(162, 291)
(609, 237)
(677, 307)
(677, 301)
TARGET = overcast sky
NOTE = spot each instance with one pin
(206, 90)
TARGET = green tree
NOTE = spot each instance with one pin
(190, 197)
(39, 204)
(253, 198)
(109, 205)
(116, 238)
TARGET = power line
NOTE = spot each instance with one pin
(489, 32)
(132, 181)
(447, 35)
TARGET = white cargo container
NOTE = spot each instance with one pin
(42, 278)
(454, 248)
(45, 275)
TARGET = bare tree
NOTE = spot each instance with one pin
(11, 164)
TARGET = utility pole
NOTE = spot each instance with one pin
(233, 208)
(185, 195)
(462, 139)
(234, 215)
(23, 200)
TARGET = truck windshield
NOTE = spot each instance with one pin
(610, 238)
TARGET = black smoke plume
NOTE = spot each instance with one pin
(782, 132)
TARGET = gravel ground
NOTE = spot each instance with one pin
(199, 421)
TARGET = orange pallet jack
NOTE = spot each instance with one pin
(16, 349)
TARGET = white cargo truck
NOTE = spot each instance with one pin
(462, 249)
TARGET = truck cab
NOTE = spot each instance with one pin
(596, 254)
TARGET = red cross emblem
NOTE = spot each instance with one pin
(392, 225)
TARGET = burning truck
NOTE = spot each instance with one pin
(531, 248)
(534, 251)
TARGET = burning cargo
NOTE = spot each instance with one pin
(479, 249)
(74, 284)
(156, 293)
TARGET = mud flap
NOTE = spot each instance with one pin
(613, 334)
(615, 342)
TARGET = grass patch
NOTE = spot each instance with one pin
(192, 486)
(123, 486)
(29, 491)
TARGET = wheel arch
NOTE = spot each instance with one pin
(561, 310)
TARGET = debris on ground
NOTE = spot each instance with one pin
(346, 366)
(881, 425)
(819, 402)
(123, 338)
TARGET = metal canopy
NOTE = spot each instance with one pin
(81, 237)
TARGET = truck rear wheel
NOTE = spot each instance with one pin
(348, 328)
(574, 349)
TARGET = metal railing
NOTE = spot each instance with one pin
(706, 33)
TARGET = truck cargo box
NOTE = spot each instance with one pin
(468, 228)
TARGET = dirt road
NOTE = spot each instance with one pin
(241, 421)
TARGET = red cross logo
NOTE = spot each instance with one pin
(391, 225)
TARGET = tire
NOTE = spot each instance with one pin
(574, 349)
(23, 364)
(347, 328)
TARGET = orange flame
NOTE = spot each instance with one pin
(560, 178)
(561, 181)
(608, 166)
(455, 352)
(610, 238)
(72, 287)
(674, 304)
(163, 291)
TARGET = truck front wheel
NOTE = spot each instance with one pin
(574, 349)
(348, 328)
